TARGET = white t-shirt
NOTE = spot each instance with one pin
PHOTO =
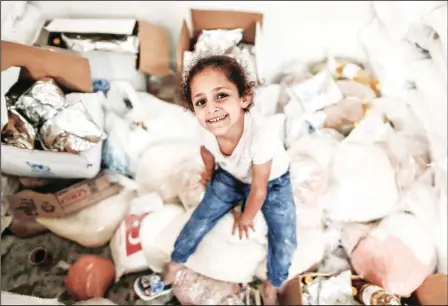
(259, 144)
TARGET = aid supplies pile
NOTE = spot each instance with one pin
(92, 158)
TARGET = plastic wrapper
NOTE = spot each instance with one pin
(309, 180)
(346, 70)
(91, 227)
(89, 277)
(101, 42)
(125, 246)
(41, 102)
(9, 298)
(354, 89)
(155, 175)
(385, 256)
(345, 115)
(318, 92)
(18, 132)
(191, 288)
(71, 130)
(217, 41)
(409, 156)
(332, 290)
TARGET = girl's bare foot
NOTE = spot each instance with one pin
(169, 275)
(269, 293)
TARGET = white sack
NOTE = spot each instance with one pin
(92, 226)
(160, 162)
(125, 246)
(220, 255)
(353, 193)
(154, 225)
(26, 28)
(187, 183)
(397, 255)
(9, 298)
(310, 251)
(429, 205)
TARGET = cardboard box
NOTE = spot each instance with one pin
(30, 204)
(71, 72)
(154, 48)
(213, 20)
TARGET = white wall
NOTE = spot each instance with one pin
(302, 29)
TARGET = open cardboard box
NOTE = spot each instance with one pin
(28, 204)
(72, 72)
(154, 49)
(201, 20)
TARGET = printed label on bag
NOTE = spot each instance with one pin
(133, 223)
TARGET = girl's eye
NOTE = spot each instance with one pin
(221, 95)
(200, 102)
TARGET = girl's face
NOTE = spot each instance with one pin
(216, 101)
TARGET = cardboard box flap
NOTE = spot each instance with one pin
(97, 26)
(183, 45)
(69, 70)
(154, 49)
(212, 20)
(30, 204)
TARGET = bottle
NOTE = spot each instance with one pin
(369, 294)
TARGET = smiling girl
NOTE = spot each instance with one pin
(245, 161)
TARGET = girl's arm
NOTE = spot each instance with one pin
(258, 191)
(209, 162)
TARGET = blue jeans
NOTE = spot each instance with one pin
(224, 192)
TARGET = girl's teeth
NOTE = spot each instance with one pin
(217, 119)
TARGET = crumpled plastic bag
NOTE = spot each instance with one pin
(353, 192)
(191, 288)
(309, 181)
(89, 277)
(397, 255)
(320, 145)
(158, 165)
(218, 41)
(409, 156)
(187, 181)
(92, 226)
(9, 298)
(125, 246)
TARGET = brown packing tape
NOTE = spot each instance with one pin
(154, 49)
(71, 71)
(212, 19)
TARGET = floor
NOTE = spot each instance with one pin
(18, 276)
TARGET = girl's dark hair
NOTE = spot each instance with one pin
(234, 72)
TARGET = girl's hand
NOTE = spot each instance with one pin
(206, 176)
(242, 223)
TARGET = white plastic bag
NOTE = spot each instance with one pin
(92, 226)
(9, 298)
(153, 226)
(187, 181)
(158, 165)
(358, 171)
(217, 41)
(125, 246)
(397, 255)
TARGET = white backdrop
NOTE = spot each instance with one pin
(302, 29)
